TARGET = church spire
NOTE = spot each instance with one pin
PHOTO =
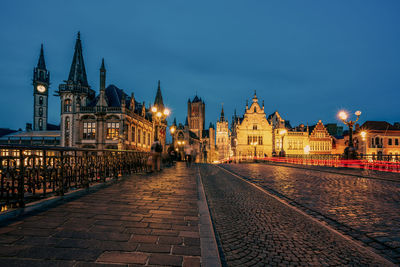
(222, 118)
(158, 102)
(41, 63)
(102, 76)
(77, 73)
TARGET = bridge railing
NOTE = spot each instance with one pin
(387, 163)
(29, 173)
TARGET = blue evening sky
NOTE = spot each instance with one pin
(306, 59)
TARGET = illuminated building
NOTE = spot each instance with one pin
(252, 135)
(377, 138)
(194, 134)
(320, 140)
(110, 120)
(223, 143)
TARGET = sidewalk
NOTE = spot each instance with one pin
(142, 220)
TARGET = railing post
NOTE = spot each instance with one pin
(44, 175)
(62, 173)
(21, 188)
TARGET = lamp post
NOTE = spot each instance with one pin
(282, 134)
(159, 115)
(172, 130)
(349, 151)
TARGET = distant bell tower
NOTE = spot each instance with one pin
(41, 82)
(196, 115)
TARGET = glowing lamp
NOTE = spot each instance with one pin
(363, 135)
(342, 115)
(358, 113)
(307, 149)
(282, 132)
(179, 142)
(172, 130)
(183, 142)
(159, 114)
(154, 109)
(166, 112)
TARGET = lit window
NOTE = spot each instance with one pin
(112, 130)
(255, 127)
(67, 105)
(260, 140)
(89, 130)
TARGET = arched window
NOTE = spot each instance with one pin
(41, 100)
(40, 124)
(67, 105)
(40, 111)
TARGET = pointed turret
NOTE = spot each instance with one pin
(77, 73)
(222, 118)
(174, 123)
(158, 102)
(186, 121)
(41, 63)
(255, 99)
(102, 76)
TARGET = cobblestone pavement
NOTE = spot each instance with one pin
(256, 229)
(143, 220)
(366, 209)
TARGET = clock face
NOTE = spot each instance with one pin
(41, 88)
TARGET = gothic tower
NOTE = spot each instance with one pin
(222, 137)
(41, 82)
(74, 94)
(196, 115)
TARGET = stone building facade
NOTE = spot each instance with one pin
(222, 138)
(253, 133)
(194, 134)
(110, 120)
(377, 138)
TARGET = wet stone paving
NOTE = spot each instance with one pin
(366, 209)
(144, 220)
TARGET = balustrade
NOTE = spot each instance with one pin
(29, 173)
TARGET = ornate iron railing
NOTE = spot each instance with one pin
(29, 173)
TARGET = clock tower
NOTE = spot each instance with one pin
(41, 82)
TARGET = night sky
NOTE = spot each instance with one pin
(306, 59)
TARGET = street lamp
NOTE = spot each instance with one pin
(172, 130)
(159, 115)
(282, 134)
(349, 152)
